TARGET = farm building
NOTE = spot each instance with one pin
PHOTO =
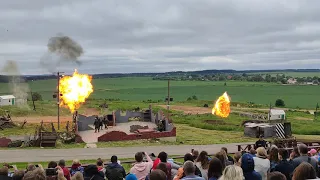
(277, 114)
(7, 100)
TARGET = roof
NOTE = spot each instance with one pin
(277, 112)
(7, 97)
(252, 125)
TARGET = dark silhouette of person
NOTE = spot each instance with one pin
(96, 124)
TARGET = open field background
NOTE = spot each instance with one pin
(292, 74)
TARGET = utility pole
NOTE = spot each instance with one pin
(168, 100)
(58, 98)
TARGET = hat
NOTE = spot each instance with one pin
(131, 177)
(312, 151)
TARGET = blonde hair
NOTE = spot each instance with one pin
(77, 176)
(232, 172)
(261, 152)
(76, 161)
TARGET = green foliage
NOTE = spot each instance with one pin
(279, 103)
(36, 96)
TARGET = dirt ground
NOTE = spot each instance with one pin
(37, 119)
(189, 109)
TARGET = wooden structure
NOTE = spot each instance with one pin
(48, 139)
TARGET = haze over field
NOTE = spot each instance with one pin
(120, 36)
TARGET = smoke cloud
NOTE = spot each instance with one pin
(61, 49)
(18, 87)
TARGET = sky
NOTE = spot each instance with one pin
(127, 36)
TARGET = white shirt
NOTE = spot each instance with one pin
(262, 166)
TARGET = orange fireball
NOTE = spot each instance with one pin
(222, 106)
(75, 90)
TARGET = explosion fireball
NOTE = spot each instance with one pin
(75, 90)
(222, 106)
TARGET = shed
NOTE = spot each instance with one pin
(7, 100)
(257, 129)
(277, 114)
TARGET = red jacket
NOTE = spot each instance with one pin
(66, 173)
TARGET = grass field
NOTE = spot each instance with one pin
(138, 89)
(292, 74)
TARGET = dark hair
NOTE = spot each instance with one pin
(62, 163)
(296, 152)
(284, 153)
(157, 174)
(237, 156)
(203, 158)
(222, 158)
(188, 157)
(114, 159)
(274, 154)
(253, 151)
(163, 167)
(225, 149)
(18, 175)
(215, 168)
(163, 156)
(139, 156)
(303, 149)
(304, 171)
(52, 164)
(4, 171)
(276, 176)
(195, 154)
(99, 163)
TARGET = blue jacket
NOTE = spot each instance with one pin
(192, 177)
(247, 165)
(286, 168)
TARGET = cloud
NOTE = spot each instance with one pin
(121, 36)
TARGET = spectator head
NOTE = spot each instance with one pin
(189, 168)
(312, 152)
(188, 157)
(303, 149)
(283, 154)
(195, 154)
(18, 175)
(232, 172)
(261, 137)
(31, 167)
(131, 177)
(114, 159)
(163, 167)
(7, 165)
(91, 170)
(304, 171)
(247, 163)
(76, 161)
(163, 156)
(203, 158)
(139, 156)
(296, 152)
(215, 168)
(77, 176)
(4, 171)
(237, 157)
(99, 163)
(62, 163)
(52, 164)
(253, 151)
(261, 152)
(221, 156)
(274, 154)
(276, 176)
(36, 174)
(158, 175)
(225, 149)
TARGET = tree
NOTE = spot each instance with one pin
(36, 96)
(194, 97)
(268, 78)
(279, 103)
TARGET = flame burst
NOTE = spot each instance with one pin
(75, 90)
(222, 106)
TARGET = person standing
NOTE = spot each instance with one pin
(260, 143)
(96, 125)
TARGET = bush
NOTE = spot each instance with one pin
(36, 96)
(279, 103)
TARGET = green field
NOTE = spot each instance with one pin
(292, 74)
(138, 89)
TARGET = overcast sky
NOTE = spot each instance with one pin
(120, 36)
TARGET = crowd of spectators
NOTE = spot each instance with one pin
(271, 163)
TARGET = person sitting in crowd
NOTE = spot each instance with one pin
(303, 150)
(189, 171)
(215, 169)
(253, 152)
(36, 174)
(131, 177)
(304, 171)
(157, 174)
(229, 158)
(221, 156)
(195, 154)
(247, 165)
(100, 165)
(202, 162)
(260, 143)
(273, 157)
(91, 173)
(77, 176)
(314, 154)
(237, 157)
(4, 171)
(115, 171)
(76, 167)
(276, 176)
(295, 153)
(232, 172)
(52, 164)
(181, 174)
(163, 157)
(18, 175)
(141, 169)
(261, 163)
(65, 170)
(284, 166)
(161, 166)
(10, 174)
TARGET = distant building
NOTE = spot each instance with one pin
(277, 114)
(7, 100)
(292, 81)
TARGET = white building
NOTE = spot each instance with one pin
(7, 100)
(277, 114)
